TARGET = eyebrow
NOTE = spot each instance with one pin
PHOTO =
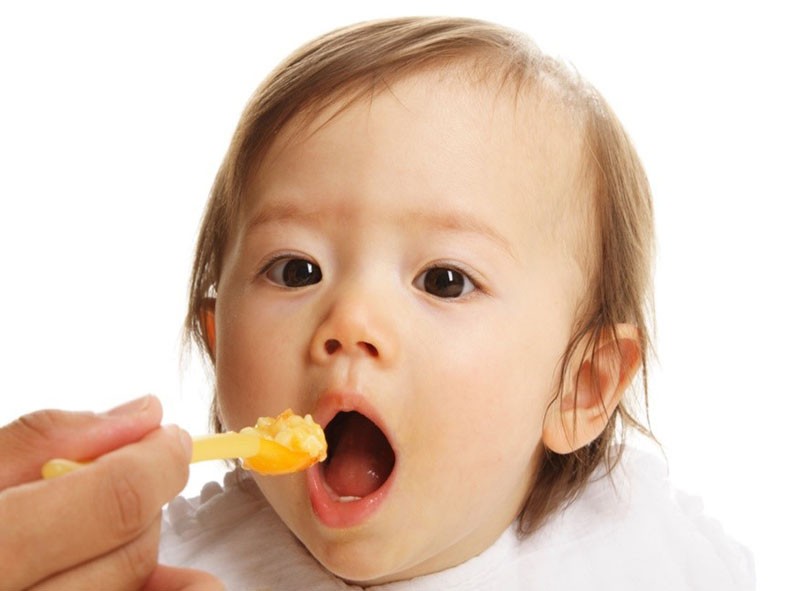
(460, 222)
(463, 222)
(281, 212)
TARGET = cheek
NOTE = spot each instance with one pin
(255, 363)
(502, 365)
(491, 386)
(474, 449)
(481, 404)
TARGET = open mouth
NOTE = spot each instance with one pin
(360, 458)
(355, 478)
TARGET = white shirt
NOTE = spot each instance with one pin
(632, 532)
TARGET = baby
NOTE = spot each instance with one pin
(436, 241)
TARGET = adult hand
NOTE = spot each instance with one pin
(97, 527)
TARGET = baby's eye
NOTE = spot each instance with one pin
(444, 282)
(292, 272)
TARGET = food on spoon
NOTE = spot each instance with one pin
(288, 443)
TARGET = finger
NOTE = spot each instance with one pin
(27, 443)
(127, 567)
(50, 525)
(170, 578)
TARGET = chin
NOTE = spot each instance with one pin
(343, 509)
(359, 563)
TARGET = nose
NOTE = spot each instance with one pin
(356, 326)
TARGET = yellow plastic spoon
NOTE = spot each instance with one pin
(285, 444)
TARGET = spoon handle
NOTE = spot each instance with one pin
(222, 446)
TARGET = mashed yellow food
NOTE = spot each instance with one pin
(302, 439)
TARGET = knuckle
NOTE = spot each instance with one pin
(9, 562)
(42, 428)
(7, 549)
(139, 558)
(42, 424)
(17, 547)
(127, 504)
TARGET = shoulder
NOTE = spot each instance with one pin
(632, 530)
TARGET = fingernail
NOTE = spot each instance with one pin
(131, 408)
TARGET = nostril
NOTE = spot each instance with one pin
(332, 346)
(369, 348)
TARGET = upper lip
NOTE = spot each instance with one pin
(335, 401)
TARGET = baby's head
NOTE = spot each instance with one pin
(437, 241)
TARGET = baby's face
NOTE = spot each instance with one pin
(406, 263)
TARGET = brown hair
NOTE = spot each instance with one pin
(350, 63)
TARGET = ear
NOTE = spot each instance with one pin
(595, 387)
(209, 325)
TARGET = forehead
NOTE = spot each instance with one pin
(438, 140)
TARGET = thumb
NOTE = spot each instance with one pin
(170, 578)
(31, 440)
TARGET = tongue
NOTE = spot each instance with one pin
(362, 458)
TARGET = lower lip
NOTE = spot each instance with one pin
(341, 514)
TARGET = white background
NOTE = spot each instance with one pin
(114, 118)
